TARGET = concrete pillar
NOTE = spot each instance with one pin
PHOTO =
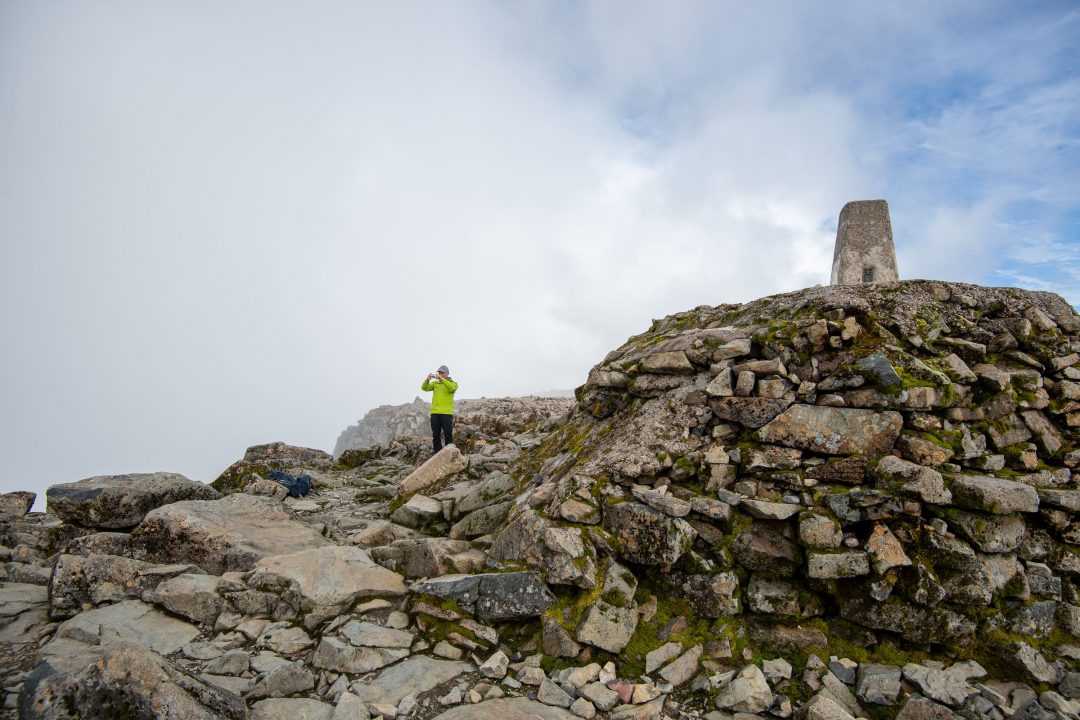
(864, 250)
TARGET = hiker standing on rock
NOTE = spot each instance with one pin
(442, 406)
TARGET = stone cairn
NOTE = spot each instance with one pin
(853, 501)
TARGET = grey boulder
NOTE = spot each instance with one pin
(121, 501)
(17, 503)
(222, 535)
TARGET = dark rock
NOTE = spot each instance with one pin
(1008, 430)
(961, 573)
(772, 596)
(751, 412)
(766, 550)
(103, 543)
(912, 622)
(420, 558)
(863, 505)
(879, 370)
(1036, 619)
(711, 596)
(646, 536)
(849, 471)
(492, 596)
(557, 642)
(512, 596)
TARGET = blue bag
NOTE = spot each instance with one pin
(297, 486)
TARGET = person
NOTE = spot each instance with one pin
(442, 406)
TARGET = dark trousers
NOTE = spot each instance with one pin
(442, 431)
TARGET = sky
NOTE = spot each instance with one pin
(230, 223)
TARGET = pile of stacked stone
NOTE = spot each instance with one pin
(847, 502)
(886, 465)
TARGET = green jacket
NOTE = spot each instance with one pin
(442, 402)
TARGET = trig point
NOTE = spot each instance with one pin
(864, 246)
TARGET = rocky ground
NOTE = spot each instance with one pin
(844, 502)
(387, 423)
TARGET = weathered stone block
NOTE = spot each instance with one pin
(447, 462)
(646, 536)
(830, 566)
(834, 431)
(994, 495)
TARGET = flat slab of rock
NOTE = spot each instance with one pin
(994, 495)
(131, 620)
(16, 598)
(341, 656)
(683, 669)
(878, 684)
(418, 674)
(443, 464)
(121, 501)
(333, 577)
(667, 504)
(764, 510)
(834, 431)
(1064, 499)
(507, 709)
(24, 612)
(829, 566)
(368, 634)
(291, 709)
(222, 535)
(115, 679)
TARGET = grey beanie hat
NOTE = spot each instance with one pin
(443, 368)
